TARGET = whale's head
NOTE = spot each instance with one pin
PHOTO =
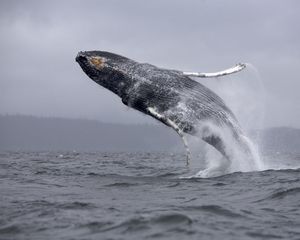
(107, 69)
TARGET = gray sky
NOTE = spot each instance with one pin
(40, 39)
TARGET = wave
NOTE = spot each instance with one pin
(141, 223)
(285, 193)
(215, 209)
(121, 184)
(173, 218)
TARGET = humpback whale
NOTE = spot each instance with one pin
(170, 96)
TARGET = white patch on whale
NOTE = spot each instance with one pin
(175, 127)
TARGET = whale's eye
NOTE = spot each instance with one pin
(97, 62)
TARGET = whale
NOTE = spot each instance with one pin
(172, 97)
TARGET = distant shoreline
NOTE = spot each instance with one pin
(31, 133)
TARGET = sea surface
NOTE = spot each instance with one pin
(70, 195)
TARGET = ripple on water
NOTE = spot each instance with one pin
(285, 193)
(173, 218)
(281, 193)
(214, 209)
(121, 184)
(142, 223)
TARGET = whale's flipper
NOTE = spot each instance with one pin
(173, 125)
(238, 67)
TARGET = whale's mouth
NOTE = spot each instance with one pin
(80, 57)
(88, 66)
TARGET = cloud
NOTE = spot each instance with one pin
(39, 41)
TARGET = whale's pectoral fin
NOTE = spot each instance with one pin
(154, 113)
(238, 67)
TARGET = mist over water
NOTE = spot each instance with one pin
(244, 94)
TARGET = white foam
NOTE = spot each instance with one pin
(241, 152)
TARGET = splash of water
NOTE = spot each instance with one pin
(246, 98)
(242, 154)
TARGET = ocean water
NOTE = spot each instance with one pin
(69, 195)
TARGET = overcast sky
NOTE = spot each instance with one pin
(40, 39)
